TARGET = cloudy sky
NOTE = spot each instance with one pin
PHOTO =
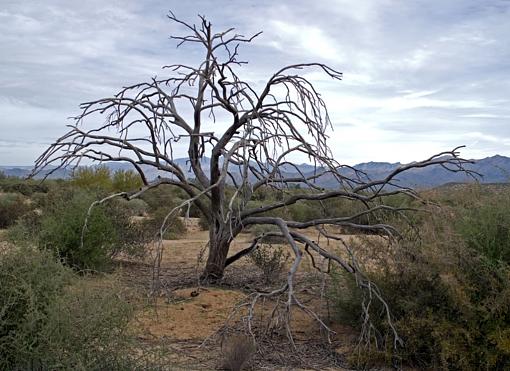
(419, 76)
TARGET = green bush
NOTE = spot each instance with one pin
(449, 305)
(23, 187)
(136, 206)
(11, 184)
(96, 179)
(284, 212)
(101, 179)
(131, 235)
(345, 297)
(50, 319)
(162, 195)
(126, 181)
(306, 211)
(12, 207)
(109, 231)
(61, 230)
(175, 228)
(26, 229)
(485, 225)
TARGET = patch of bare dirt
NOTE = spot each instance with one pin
(186, 315)
(189, 315)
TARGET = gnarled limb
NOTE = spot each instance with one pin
(262, 133)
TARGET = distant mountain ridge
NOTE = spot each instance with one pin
(495, 169)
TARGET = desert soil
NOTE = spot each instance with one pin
(192, 320)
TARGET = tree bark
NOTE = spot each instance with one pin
(219, 246)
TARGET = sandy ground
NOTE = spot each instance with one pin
(188, 314)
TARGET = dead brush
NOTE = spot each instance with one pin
(237, 350)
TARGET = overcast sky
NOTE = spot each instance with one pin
(419, 76)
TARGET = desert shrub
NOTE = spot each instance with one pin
(485, 225)
(25, 231)
(12, 207)
(203, 223)
(58, 192)
(162, 195)
(13, 184)
(29, 283)
(24, 187)
(135, 207)
(345, 297)
(93, 178)
(94, 316)
(262, 230)
(264, 193)
(168, 196)
(174, 226)
(59, 227)
(283, 212)
(101, 179)
(50, 319)
(451, 308)
(344, 207)
(271, 260)
(61, 230)
(126, 180)
(131, 235)
(305, 211)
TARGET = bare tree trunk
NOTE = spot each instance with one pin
(219, 245)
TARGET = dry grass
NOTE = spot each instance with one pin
(4, 244)
(237, 351)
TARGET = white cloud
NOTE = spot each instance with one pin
(418, 76)
(304, 40)
(485, 116)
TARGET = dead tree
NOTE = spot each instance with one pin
(237, 137)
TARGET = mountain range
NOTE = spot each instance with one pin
(495, 169)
